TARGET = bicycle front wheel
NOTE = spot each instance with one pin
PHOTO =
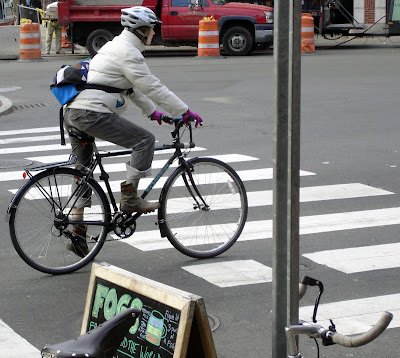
(207, 225)
(58, 221)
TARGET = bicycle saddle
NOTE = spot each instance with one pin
(101, 342)
(75, 132)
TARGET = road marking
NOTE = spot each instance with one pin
(232, 273)
(245, 175)
(121, 167)
(355, 316)
(30, 131)
(262, 229)
(63, 157)
(48, 147)
(359, 259)
(13, 345)
(29, 139)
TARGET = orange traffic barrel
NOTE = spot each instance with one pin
(64, 39)
(30, 48)
(208, 37)
(307, 33)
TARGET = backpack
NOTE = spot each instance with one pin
(69, 81)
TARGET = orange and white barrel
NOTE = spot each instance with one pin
(64, 39)
(208, 37)
(30, 47)
(307, 33)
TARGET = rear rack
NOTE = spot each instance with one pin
(71, 160)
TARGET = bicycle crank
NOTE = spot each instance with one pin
(121, 230)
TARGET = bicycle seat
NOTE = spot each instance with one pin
(75, 132)
(101, 342)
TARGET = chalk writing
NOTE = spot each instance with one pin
(153, 335)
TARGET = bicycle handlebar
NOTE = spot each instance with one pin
(361, 339)
(302, 290)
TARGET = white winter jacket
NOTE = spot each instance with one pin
(120, 63)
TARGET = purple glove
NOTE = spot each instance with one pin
(194, 115)
(157, 116)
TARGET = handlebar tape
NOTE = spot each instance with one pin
(302, 290)
(366, 337)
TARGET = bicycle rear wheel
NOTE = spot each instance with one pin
(203, 229)
(43, 228)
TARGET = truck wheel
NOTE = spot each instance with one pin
(97, 39)
(238, 41)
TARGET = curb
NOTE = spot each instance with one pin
(5, 106)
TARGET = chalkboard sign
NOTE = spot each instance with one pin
(173, 323)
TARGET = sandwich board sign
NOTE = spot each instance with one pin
(172, 324)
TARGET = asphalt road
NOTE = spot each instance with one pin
(349, 135)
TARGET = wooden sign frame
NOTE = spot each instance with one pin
(193, 336)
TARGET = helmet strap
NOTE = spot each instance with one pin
(141, 35)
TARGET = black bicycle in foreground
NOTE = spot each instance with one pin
(203, 207)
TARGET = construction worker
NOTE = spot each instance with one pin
(53, 27)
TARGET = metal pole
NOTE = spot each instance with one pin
(294, 166)
(286, 170)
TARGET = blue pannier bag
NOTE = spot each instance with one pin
(69, 81)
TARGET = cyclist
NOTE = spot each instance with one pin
(120, 63)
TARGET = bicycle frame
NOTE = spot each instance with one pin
(177, 146)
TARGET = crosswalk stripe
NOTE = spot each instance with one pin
(245, 175)
(355, 316)
(309, 194)
(30, 131)
(29, 139)
(232, 273)
(63, 157)
(46, 147)
(359, 259)
(13, 345)
(121, 167)
(262, 229)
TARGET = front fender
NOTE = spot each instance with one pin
(235, 18)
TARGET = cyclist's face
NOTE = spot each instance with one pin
(150, 34)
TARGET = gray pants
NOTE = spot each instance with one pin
(114, 129)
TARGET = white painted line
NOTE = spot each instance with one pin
(121, 167)
(355, 316)
(13, 345)
(320, 193)
(245, 175)
(258, 230)
(63, 157)
(29, 131)
(359, 259)
(232, 273)
(29, 139)
(47, 147)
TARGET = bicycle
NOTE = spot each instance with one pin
(203, 207)
(104, 341)
(329, 336)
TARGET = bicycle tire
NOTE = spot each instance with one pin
(40, 216)
(203, 232)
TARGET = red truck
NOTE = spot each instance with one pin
(242, 27)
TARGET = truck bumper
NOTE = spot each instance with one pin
(264, 33)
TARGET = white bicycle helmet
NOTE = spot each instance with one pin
(138, 16)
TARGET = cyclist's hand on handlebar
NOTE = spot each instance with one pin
(190, 114)
(156, 116)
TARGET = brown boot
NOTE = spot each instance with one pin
(78, 244)
(131, 202)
